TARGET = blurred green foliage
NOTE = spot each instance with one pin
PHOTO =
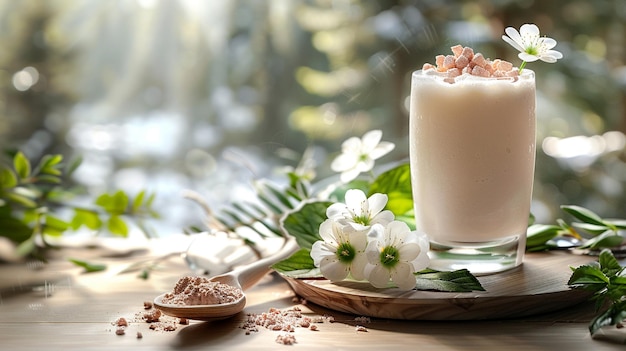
(32, 195)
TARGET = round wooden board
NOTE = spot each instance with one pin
(539, 285)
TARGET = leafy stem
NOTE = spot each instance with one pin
(606, 279)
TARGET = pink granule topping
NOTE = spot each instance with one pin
(465, 61)
(201, 291)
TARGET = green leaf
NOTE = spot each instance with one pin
(608, 263)
(138, 201)
(89, 267)
(298, 265)
(605, 240)
(7, 179)
(26, 247)
(21, 199)
(114, 204)
(396, 183)
(539, 234)
(21, 165)
(87, 218)
(591, 228)
(614, 315)
(55, 226)
(49, 179)
(588, 277)
(117, 226)
(583, 214)
(456, 281)
(304, 223)
(617, 223)
(49, 165)
(12, 228)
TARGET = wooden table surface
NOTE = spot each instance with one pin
(58, 307)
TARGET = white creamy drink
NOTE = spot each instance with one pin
(472, 147)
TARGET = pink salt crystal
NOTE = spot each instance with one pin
(439, 60)
(468, 52)
(453, 72)
(505, 66)
(479, 60)
(467, 70)
(457, 50)
(512, 73)
(461, 61)
(427, 66)
(448, 62)
(479, 71)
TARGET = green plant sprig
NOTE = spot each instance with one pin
(31, 195)
(606, 279)
(589, 231)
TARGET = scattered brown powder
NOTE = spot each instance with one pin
(152, 316)
(277, 320)
(121, 322)
(147, 305)
(286, 339)
(362, 319)
(201, 291)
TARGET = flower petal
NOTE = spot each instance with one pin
(327, 233)
(358, 240)
(349, 175)
(317, 252)
(547, 43)
(365, 165)
(344, 162)
(370, 140)
(377, 202)
(529, 29)
(381, 150)
(351, 145)
(409, 252)
(333, 270)
(527, 57)
(357, 267)
(402, 275)
(354, 201)
(372, 252)
(421, 262)
(336, 211)
(514, 39)
(384, 218)
(379, 277)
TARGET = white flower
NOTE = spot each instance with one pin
(358, 155)
(341, 252)
(360, 212)
(396, 255)
(532, 47)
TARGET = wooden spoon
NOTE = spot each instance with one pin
(242, 277)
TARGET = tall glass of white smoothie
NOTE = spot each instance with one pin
(472, 156)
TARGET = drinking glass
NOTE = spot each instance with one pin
(472, 158)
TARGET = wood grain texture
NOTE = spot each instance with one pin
(539, 285)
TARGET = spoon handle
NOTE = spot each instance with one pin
(250, 274)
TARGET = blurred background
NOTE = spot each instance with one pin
(206, 95)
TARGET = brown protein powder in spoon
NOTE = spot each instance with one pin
(201, 291)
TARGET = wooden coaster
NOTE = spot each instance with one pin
(539, 285)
